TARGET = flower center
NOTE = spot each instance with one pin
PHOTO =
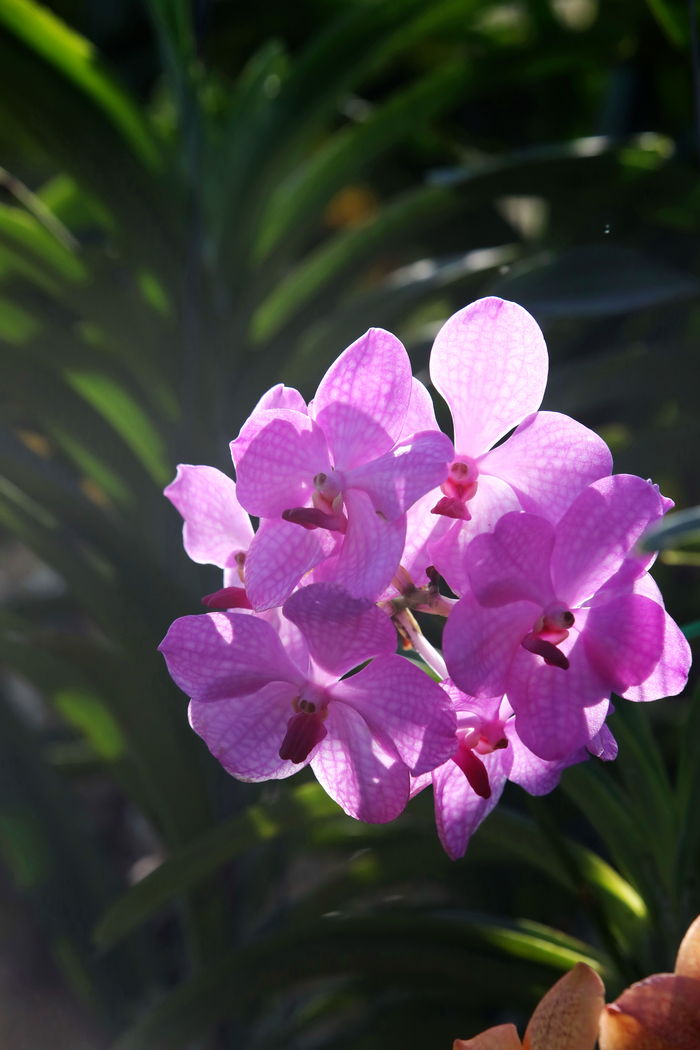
(472, 741)
(459, 487)
(327, 511)
(548, 632)
(305, 729)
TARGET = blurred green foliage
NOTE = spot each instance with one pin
(196, 201)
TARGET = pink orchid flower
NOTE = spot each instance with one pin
(332, 481)
(216, 529)
(488, 752)
(489, 361)
(557, 620)
(268, 703)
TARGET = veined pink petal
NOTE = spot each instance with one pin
(281, 396)
(221, 655)
(489, 362)
(278, 397)
(364, 776)
(340, 631)
(536, 775)
(245, 733)
(512, 562)
(493, 499)
(458, 809)
(216, 527)
(421, 413)
(400, 702)
(597, 533)
(603, 745)
(557, 711)
(362, 400)
(480, 644)
(397, 479)
(670, 676)
(279, 555)
(623, 640)
(276, 472)
(369, 552)
(548, 460)
(423, 529)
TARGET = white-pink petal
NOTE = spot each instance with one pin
(598, 532)
(280, 553)
(547, 461)
(362, 400)
(623, 640)
(225, 654)
(557, 711)
(341, 631)
(447, 551)
(458, 809)
(369, 553)
(512, 562)
(399, 701)
(276, 472)
(421, 413)
(216, 527)
(489, 362)
(397, 479)
(245, 733)
(480, 644)
(364, 776)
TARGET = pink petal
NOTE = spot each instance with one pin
(340, 631)
(365, 777)
(397, 479)
(369, 552)
(362, 400)
(548, 460)
(245, 734)
(277, 469)
(281, 396)
(536, 775)
(598, 532)
(603, 745)
(422, 530)
(278, 397)
(220, 655)
(489, 362)
(623, 640)
(216, 526)
(399, 701)
(421, 413)
(557, 711)
(493, 499)
(512, 563)
(458, 809)
(279, 555)
(480, 644)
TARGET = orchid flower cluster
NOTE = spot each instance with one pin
(368, 514)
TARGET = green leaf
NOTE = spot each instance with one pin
(118, 406)
(75, 57)
(681, 527)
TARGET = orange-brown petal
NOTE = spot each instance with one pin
(619, 1031)
(567, 1016)
(659, 1013)
(502, 1037)
(688, 958)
